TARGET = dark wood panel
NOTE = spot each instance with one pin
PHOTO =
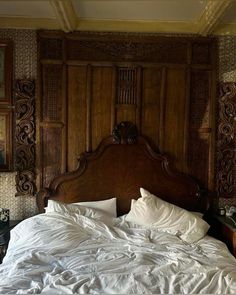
(200, 86)
(101, 103)
(125, 113)
(51, 48)
(163, 84)
(51, 153)
(129, 48)
(200, 126)
(52, 96)
(174, 115)
(202, 53)
(151, 104)
(198, 156)
(118, 167)
(77, 109)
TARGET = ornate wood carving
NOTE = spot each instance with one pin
(127, 86)
(125, 133)
(130, 50)
(226, 144)
(115, 169)
(25, 137)
(165, 85)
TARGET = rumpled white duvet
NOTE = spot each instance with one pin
(56, 253)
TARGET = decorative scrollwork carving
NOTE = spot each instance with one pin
(226, 144)
(128, 50)
(25, 137)
(125, 133)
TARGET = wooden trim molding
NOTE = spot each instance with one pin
(65, 14)
(212, 14)
(25, 137)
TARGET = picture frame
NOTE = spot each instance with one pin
(6, 157)
(6, 64)
(6, 106)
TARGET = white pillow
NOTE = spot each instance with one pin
(198, 214)
(152, 212)
(72, 209)
(108, 206)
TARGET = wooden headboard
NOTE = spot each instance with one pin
(120, 165)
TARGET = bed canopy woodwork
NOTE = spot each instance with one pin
(121, 164)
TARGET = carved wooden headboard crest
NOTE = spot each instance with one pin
(121, 164)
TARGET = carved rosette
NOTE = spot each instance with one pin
(226, 143)
(125, 133)
(25, 137)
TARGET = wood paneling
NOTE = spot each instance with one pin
(164, 85)
(151, 102)
(101, 103)
(51, 129)
(200, 126)
(77, 109)
(51, 152)
(174, 115)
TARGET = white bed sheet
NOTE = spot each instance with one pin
(62, 254)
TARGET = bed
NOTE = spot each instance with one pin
(68, 252)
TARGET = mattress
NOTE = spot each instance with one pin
(56, 253)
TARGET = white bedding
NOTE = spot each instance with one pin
(56, 253)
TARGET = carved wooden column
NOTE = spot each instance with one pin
(226, 142)
(25, 137)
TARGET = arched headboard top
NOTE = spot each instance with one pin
(120, 165)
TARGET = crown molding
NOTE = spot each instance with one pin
(65, 14)
(211, 16)
(136, 26)
(226, 29)
(29, 23)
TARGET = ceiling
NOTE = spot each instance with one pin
(203, 17)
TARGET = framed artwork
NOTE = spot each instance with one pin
(6, 107)
(6, 54)
(5, 139)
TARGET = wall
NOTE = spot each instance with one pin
(227, 59)
(24, 66)
(227, 73)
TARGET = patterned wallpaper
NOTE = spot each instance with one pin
(25, 66)
(227, 58)
(227, 73)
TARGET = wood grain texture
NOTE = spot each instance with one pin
(77, 110)
(101, 103)
(120, 169)
(174, 115)
(200, 126)
(164, 85)
(151, 103)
